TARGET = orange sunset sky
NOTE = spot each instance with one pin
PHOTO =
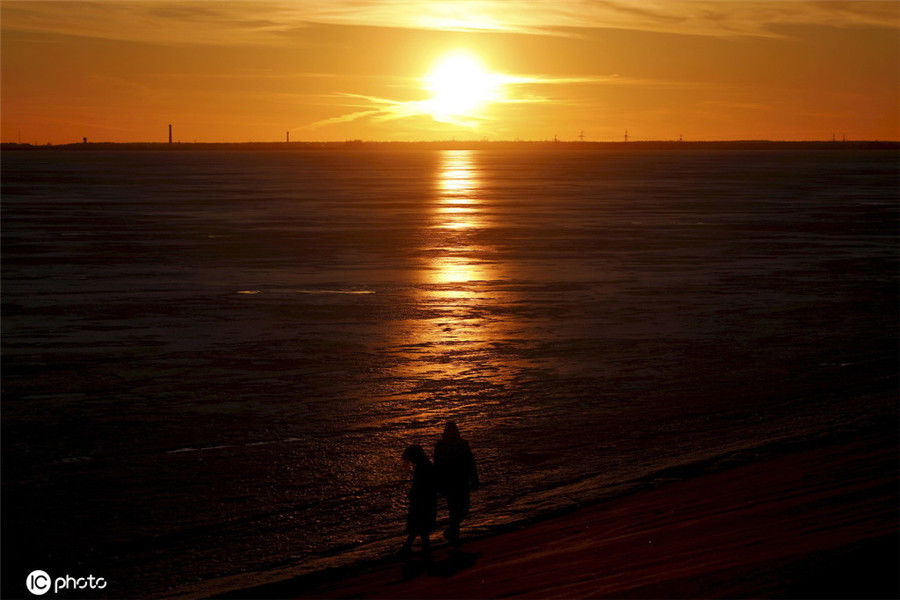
(402, 70)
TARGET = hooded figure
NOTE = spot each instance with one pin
(422, 513)
(456, 477)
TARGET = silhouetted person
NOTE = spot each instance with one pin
(422, 513)
(456, 477)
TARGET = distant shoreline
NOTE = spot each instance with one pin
(465, 145)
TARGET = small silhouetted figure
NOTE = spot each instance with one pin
(456, 477)
(422, 513)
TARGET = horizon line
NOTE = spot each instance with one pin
(283, 143)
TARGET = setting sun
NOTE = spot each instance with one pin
(460, 85)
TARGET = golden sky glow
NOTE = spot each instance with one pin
(402, 70)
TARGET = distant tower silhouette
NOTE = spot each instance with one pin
(626, 135)
(170, 133)
(581, 135)
(680, 138)
(84, 140)
(287, 136)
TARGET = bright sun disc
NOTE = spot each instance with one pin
(459, 86)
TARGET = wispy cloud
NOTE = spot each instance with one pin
(354, 116)
(515, 89)
(257, 22)
(384, 109)
(737, 105)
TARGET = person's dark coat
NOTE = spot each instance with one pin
(422, 514)
(456, 472)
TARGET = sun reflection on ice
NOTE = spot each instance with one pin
(457, 176)
(457, 186)
(464, 340)
(451, 348)
(458, 206)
